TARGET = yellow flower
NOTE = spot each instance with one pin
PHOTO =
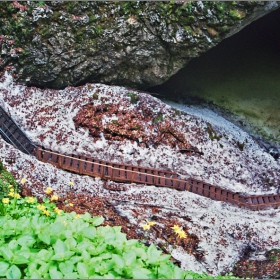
(46, 212)
(151, 223)
(176, 228)
(58, 211)
(17, 195)
(41, 207)
(30, 199)
(10, 186)
(71, 204)
(5, 200)
(77, 216)
(23, 180)
(12, 190)
(11, 194)
(181, 234)
(54, 197)
(71, 183)
(146, 226)
(48, 190)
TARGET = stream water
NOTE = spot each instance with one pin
(240, 78)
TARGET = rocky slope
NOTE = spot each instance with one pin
(218, 233)
(139, 44)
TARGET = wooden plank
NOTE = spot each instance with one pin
(199, 188)
(150, 178)
(46, 156)
(161, 178)
(181, 185)
(96, 168)
(260, 200)
(212, 192)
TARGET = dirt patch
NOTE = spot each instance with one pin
(261, 269)
(140, 124)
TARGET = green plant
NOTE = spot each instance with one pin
(7, 176)
(71, 246)
(133, 97)
(273, 258)
(212, 133)
(95, 96)
(41, 3)
(158, 118)
(240, 145)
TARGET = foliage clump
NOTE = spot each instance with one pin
(7, 176)
(212, 133)
(133, 97)
(40, 241)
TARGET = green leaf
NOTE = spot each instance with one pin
(66, 234)
(121, 237)
(73, 275)
(140, 252)
(118, 260)
(62, 256)
(35, 275)
(3, 220)
(153, 254)
(132, 242)
(141, 273)
(95, 260)
(6, 252)
(89, 232)
(13, 272)
(44, 255)
(85, 256)
(87, 217)
(26, 240)
(13, 244)
(44, 268)
(178, 273)
(83, 245)
(56, 228)
(117, 229)
(104, 266)
(82, 270)
(97, 221)
(165, 271)
(45, 237)
(164, 257)
(3, 268)
(18, 259)
(130, 257)
(54, 273)
(71, 243)
(75, 259)
(60, 247)
(66, 267)
(106, 256)
(32, 267)
(188, 276)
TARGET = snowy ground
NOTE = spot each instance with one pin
(224, 231)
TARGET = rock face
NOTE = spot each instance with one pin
(137, 44)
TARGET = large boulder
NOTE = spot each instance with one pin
(137, 44)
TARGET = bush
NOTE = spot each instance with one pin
(7, 176)
(40, 241)
(75, 246)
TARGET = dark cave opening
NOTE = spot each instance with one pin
(239, 76)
